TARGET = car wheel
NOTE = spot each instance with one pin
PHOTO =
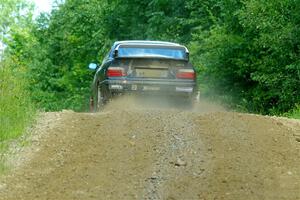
(92, 104)
(100, 99)
(190, 103)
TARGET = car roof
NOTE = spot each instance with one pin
(148, 42)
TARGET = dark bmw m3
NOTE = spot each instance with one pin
(154, 67)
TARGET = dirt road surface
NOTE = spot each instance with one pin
(132, 152)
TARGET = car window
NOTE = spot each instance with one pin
(152, 52)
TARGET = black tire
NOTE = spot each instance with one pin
(100, 99)
(192, 100)
(190, 103)
(92, 104)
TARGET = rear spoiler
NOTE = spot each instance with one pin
(115, 54)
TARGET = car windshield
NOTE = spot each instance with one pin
(126, 52)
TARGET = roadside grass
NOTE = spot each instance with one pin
(3, 159)
(295, 113)
(3, 168)
(16, 109)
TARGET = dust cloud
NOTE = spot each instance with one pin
(161, 103)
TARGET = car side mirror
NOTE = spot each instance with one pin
(92, 66)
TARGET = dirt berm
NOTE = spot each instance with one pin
(129, 152)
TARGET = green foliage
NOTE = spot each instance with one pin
(255, 60)
(295, 113)
(60, 53)
(16, 109)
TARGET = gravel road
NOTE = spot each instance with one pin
(141, 152)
